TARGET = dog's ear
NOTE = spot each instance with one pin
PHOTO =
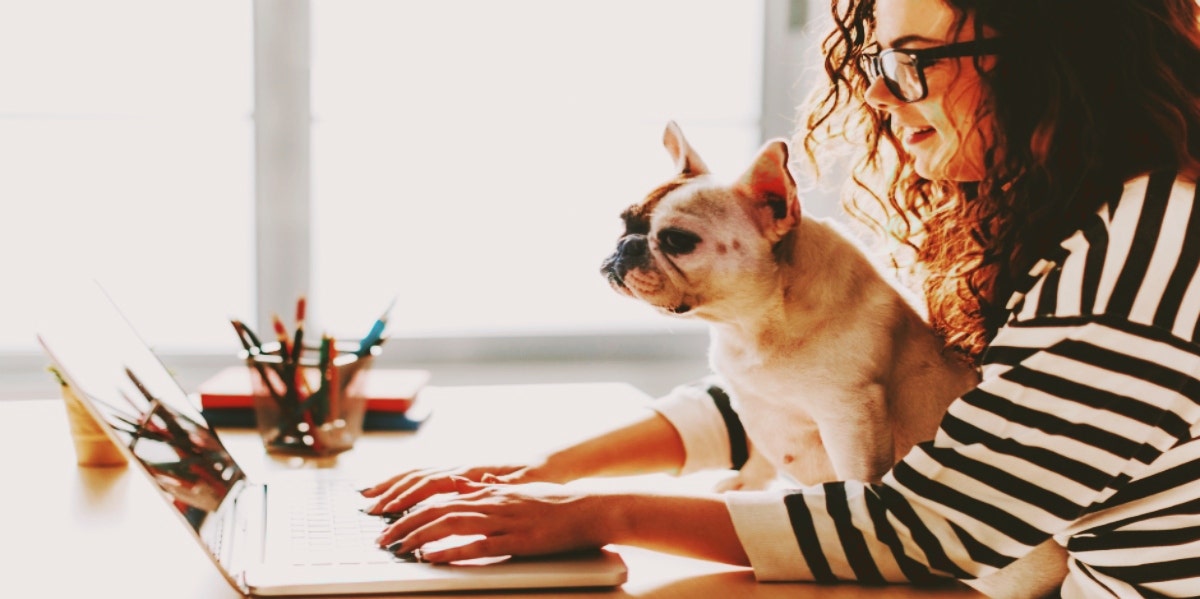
(770, 191)
(687, 161)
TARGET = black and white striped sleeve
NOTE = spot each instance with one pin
(1090, 400)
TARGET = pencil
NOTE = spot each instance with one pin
(297, 343)
(375, 335)
(248, 338)
(334, 389)
(255, 342)
(281, 334)
(318, 401)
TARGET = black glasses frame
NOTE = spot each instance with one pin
(920, 58)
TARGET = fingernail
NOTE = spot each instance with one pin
(394, 547)
(412, 557)
(393, 516)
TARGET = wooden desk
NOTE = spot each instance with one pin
(67, 531)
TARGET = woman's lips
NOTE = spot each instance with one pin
(916, 136)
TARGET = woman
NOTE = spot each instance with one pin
(1037, 161)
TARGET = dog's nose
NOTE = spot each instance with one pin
(632, 252)
(633, 247)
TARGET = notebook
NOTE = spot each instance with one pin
(226, 398)
(261, 534)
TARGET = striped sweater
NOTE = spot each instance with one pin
(1084, 428)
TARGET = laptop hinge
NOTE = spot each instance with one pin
(246, 531)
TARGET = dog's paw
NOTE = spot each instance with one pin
(730, 483)
(739, 481)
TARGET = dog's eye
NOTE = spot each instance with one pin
(676, 241)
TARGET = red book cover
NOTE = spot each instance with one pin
(387, 389)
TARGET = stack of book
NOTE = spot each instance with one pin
(392, 395)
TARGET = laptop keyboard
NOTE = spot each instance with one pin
(327, 528)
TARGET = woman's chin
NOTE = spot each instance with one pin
(942, 170)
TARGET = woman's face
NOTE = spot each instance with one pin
(943, 132)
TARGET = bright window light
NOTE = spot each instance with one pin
(471, 157)
(126, 153)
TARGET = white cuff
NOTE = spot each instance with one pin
(765, 530)
(694, 415)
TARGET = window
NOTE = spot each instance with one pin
(467, 157)
(473, 156)
(126, 155)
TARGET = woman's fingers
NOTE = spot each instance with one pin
(395, 486)
(404, 490)
(488, 537)
(515, 520)
(490, 546)
(435, 522)
(412, 494)
(463, 485)
(376, 489)
(387, 489)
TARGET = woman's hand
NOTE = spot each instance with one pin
(401, 492)
(648, 444)
(527, 519)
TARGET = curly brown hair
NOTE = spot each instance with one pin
(1085, 95)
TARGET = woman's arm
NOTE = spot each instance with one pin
(692, 428)
(648, 444)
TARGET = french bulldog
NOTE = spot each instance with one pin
(832, 371)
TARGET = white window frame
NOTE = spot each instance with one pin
(282, 137)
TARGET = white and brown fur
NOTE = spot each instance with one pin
(833, 373)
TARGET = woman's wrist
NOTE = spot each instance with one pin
(560, 467)
(614, 517)
(692, 525)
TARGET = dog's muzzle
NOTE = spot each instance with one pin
(633, 251)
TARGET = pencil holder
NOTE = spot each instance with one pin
(309, 403)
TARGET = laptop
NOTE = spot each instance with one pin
(301, 534)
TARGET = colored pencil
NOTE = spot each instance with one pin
(334, 388)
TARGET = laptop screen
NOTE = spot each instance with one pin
(104, 360)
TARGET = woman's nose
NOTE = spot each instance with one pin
(879, 97)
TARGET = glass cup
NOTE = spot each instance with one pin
(93, 447)
(309, 405)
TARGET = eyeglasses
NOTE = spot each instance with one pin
(903, 70)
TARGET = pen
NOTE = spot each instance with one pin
(247, 338)
(281, 334)
(320, 399)
(374, 336)
(255, 342)
(287, 369)
(297, 343)
(334, 386)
